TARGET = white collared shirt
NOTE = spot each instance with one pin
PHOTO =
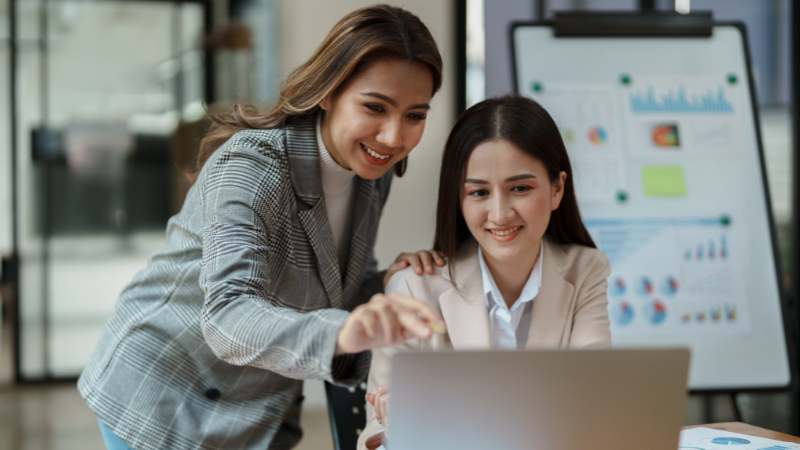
(509, 327)
(338, 188)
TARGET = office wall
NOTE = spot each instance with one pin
(498, 14)
(408, 220)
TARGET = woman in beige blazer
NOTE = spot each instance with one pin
(522, 270)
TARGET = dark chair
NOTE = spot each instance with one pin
(346, 411)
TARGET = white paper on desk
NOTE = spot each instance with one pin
(709, 439)
(381, 448)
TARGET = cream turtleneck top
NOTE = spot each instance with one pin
(338, 187)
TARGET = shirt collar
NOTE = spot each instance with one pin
(335, 178)
(529, 291)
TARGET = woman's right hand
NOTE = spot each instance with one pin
(386, 320)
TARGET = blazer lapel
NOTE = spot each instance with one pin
(464, 309)
(303, 154)
(551, 306)
(364, 228)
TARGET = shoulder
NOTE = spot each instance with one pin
(427, 287)
(270, 144)
(247, 157)
(430, 286)
(576, 261)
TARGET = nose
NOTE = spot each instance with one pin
(500, 209)
(391, 134)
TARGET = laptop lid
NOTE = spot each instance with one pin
(548, 400)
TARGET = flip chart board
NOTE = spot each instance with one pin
(669, 172)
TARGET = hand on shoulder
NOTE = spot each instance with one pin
(422, 262)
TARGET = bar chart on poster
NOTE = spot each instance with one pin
(668, 171)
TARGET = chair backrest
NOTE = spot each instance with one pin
(346, 411)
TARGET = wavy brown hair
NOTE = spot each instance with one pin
(359, 37)
(525, 124)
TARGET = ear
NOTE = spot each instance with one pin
(325, 104)
(557, 190)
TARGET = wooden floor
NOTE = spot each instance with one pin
(54, 417)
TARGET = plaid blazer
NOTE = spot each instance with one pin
(207, 346)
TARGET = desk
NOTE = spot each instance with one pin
(750, 430)
(733, 427)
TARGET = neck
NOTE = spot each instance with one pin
(511, 276)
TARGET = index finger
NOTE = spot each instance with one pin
(427, 260)
(417, 306)
(437, 256)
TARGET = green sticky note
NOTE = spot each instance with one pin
(663, 181)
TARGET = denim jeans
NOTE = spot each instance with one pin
(112, 441)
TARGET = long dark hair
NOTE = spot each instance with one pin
(364, 34)
(525, 124)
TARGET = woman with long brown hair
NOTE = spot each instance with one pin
(522, 270)
(268, 277)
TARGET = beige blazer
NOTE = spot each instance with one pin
(569, 312)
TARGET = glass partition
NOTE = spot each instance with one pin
(6, 244)
(101, 87)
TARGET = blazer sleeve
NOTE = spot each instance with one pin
(239, 323)
(590, 327)
(381, 359)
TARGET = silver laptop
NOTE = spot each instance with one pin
(540, 400)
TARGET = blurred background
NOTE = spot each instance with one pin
(101, 113)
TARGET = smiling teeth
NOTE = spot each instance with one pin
(375, 154)
(503, 233)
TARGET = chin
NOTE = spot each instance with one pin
(369, 173)
(502, 254)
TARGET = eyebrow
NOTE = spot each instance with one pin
(393, 102)
(524, 176)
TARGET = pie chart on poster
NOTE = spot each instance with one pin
(730, 441)
(597, 135)
(656, 312)
(623, 313)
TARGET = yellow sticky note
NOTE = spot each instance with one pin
(663, 181)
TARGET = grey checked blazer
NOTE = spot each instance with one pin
(207, 346)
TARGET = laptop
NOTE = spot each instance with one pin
(538, 400)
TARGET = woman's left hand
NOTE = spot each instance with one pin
(421, 260)
(380, 401)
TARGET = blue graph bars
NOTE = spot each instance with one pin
(679, 103)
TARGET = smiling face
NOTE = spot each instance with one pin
(378, 116)
(506, 200)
